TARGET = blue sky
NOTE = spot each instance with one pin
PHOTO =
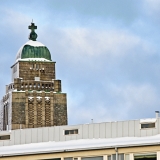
(107, 53)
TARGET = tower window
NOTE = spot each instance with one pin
(37, 78)
(37, 66)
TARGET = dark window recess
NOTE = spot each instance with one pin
(92, 158)
(145, 157)
(5, 137)
(120, 156)
(52, 159)
(68, 158)
(73, 131)
(148, 125)
(113, 157)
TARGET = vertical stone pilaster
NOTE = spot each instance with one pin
(35, 108)
(26, 109)
(43, 108)
(52, 108)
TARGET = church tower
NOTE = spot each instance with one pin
(34, 98)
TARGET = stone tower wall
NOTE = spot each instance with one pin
(30, 70)
(18, 110)
(37, 98)
(32, 109)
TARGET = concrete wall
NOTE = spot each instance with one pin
(85, 131)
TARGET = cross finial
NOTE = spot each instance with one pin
(32, 35)
(32, 26)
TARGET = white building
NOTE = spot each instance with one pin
(123, 140)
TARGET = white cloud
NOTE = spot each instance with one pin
(81, 47)
(103, 94)
(152, 6)
(15, 20)
(128, 101)
(77, 43)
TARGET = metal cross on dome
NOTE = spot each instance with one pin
(32, 35)
(32, 27)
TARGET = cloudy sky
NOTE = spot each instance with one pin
(107, 53)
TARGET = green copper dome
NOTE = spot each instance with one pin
(33, 50)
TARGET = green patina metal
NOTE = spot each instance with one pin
(35, 52)
(32, 36)
(30, 51)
